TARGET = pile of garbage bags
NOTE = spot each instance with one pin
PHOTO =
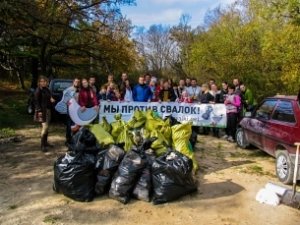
(147, 158)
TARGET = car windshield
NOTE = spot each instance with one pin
(60, 86)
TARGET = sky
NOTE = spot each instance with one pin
(168, 12)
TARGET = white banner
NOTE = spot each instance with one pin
(206, 115)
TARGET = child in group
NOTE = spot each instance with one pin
(185, 98)
(102, 93)
(118, 96)
(111, 92)
(154, 89)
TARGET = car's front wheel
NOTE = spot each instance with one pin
(241, 139)
(284, 167)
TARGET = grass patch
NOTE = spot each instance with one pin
(250, 154)
(219, 146)
(51, 219)
(13, 109)
(255, 170)
(238, 154)
(258, 153)
(7, 132)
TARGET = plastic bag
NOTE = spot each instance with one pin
(167, 131)
(129, 171)
(125, 137)
(138, 120)
(117, 126)
(103, 138)
(107, 164)
(172, 177)
(125, 179)
(160, 145)
(172, 120)
(84, 141)
(142, 189)
(76, 177)
(181, 134)
(106, 126)
(153, 121)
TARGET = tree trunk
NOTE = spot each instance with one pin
(34, 72)
(21, 80)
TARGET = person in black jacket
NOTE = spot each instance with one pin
(43, 103)
(206, 97)
(167, 93)
(223, 93)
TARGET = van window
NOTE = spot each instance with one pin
(265, 110)
(60, 86)
(284, 112)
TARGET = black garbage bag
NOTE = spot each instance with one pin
(193, 138)
(59, 165)
(84, 140)
(107, 164)
(75, 177)
(127, 175)
(173, 120)
(129, 171)
(142, 189)
(172, 177)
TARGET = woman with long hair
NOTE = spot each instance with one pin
(43, 103)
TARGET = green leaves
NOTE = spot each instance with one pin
(257, 41)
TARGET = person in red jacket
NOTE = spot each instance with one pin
(87, 97)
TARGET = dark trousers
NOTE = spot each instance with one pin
(231, 124)
(69, 124)
(206, 130)
(216, 132)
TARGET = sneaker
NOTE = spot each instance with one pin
(225, 136)
(230, 139)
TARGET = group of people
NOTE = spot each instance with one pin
(236, 97)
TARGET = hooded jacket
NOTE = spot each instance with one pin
(141, 93)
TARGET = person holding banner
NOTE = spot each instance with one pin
(154, 89)
(128, 92)
(74, 92)
(194, 90)
(142, 92)
(167, 93)
(87, 97)
(232, 103)
(179, 89)
(188, 82)
(206, 98)
(223, 93)
(122, 84)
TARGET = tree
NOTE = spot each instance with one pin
(157, 48)
(183, 36)
(67, 34)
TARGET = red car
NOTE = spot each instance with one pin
(274, 127)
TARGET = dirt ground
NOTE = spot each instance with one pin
(229, 179)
